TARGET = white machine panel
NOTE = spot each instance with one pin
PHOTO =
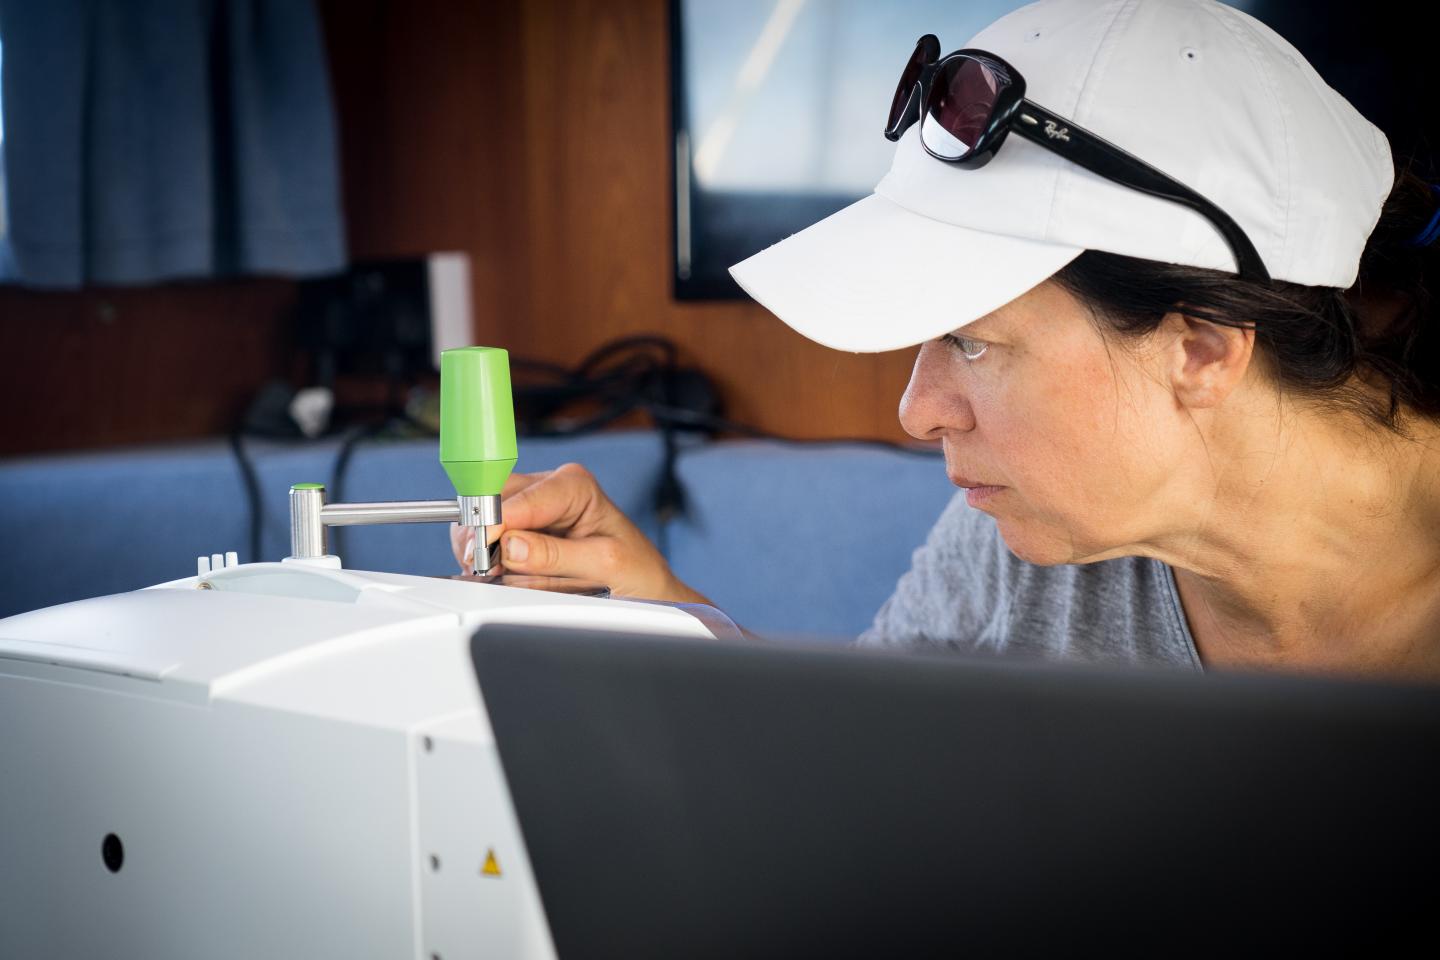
(274, 760)
(475, 882)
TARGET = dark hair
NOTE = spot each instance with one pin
(1320, 340)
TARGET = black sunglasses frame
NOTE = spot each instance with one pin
(1012, 112)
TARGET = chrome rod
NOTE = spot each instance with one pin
(394, 511)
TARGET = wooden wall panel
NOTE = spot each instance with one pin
(136, 365)
(536, 137)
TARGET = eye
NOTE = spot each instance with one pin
(969, 348)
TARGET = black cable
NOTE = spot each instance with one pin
(640, 372)
(670, 483)
(622, 343)
(623, 375)
(554, 369)
(252, 494)
(589, 425)
(670, 499)
(624, 386)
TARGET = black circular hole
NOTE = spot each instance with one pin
(434, 863)
(113, 852)
(429, 744)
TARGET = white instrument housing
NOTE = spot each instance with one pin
(291, 760)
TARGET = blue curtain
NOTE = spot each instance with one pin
(150, 140)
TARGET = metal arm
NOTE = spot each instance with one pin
(310, 515)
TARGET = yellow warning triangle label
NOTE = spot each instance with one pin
(492, 866)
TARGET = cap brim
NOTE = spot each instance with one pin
(875, 276)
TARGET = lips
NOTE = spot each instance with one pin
(967, 483)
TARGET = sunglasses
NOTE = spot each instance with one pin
(970, 100)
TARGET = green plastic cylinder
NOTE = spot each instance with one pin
(477, 419)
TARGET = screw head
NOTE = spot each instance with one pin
(112, 851)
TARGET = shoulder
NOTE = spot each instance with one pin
(965, 590)
(958, 582)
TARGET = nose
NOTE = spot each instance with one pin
(935, 401)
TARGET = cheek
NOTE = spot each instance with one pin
(1058, 431)
(1073, 446)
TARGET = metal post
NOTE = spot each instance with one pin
(482, 513)
(307, 530)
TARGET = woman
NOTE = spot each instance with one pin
(1191, 387)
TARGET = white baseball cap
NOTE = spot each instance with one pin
(1202, 91)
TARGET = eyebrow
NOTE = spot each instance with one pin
(978, 321)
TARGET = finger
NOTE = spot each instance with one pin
(462, 539)
(593, 558)
(555, 502)
(513, 485)
(519, 481)
(459, 537)
(462, 542)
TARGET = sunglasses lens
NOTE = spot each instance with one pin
(957, 112)
(906, 88)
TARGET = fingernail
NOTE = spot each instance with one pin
(470, 551)
(516, 549)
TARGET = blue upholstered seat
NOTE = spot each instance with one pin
(789, 539)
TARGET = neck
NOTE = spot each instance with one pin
(1319, 549)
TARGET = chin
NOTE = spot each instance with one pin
(1043, 548)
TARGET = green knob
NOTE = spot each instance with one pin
(477, 419)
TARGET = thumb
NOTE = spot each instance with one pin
(539, 553)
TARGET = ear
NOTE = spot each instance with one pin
(1205, 361)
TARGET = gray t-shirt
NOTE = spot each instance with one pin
(965, 591)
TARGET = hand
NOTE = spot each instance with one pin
(572, 529)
